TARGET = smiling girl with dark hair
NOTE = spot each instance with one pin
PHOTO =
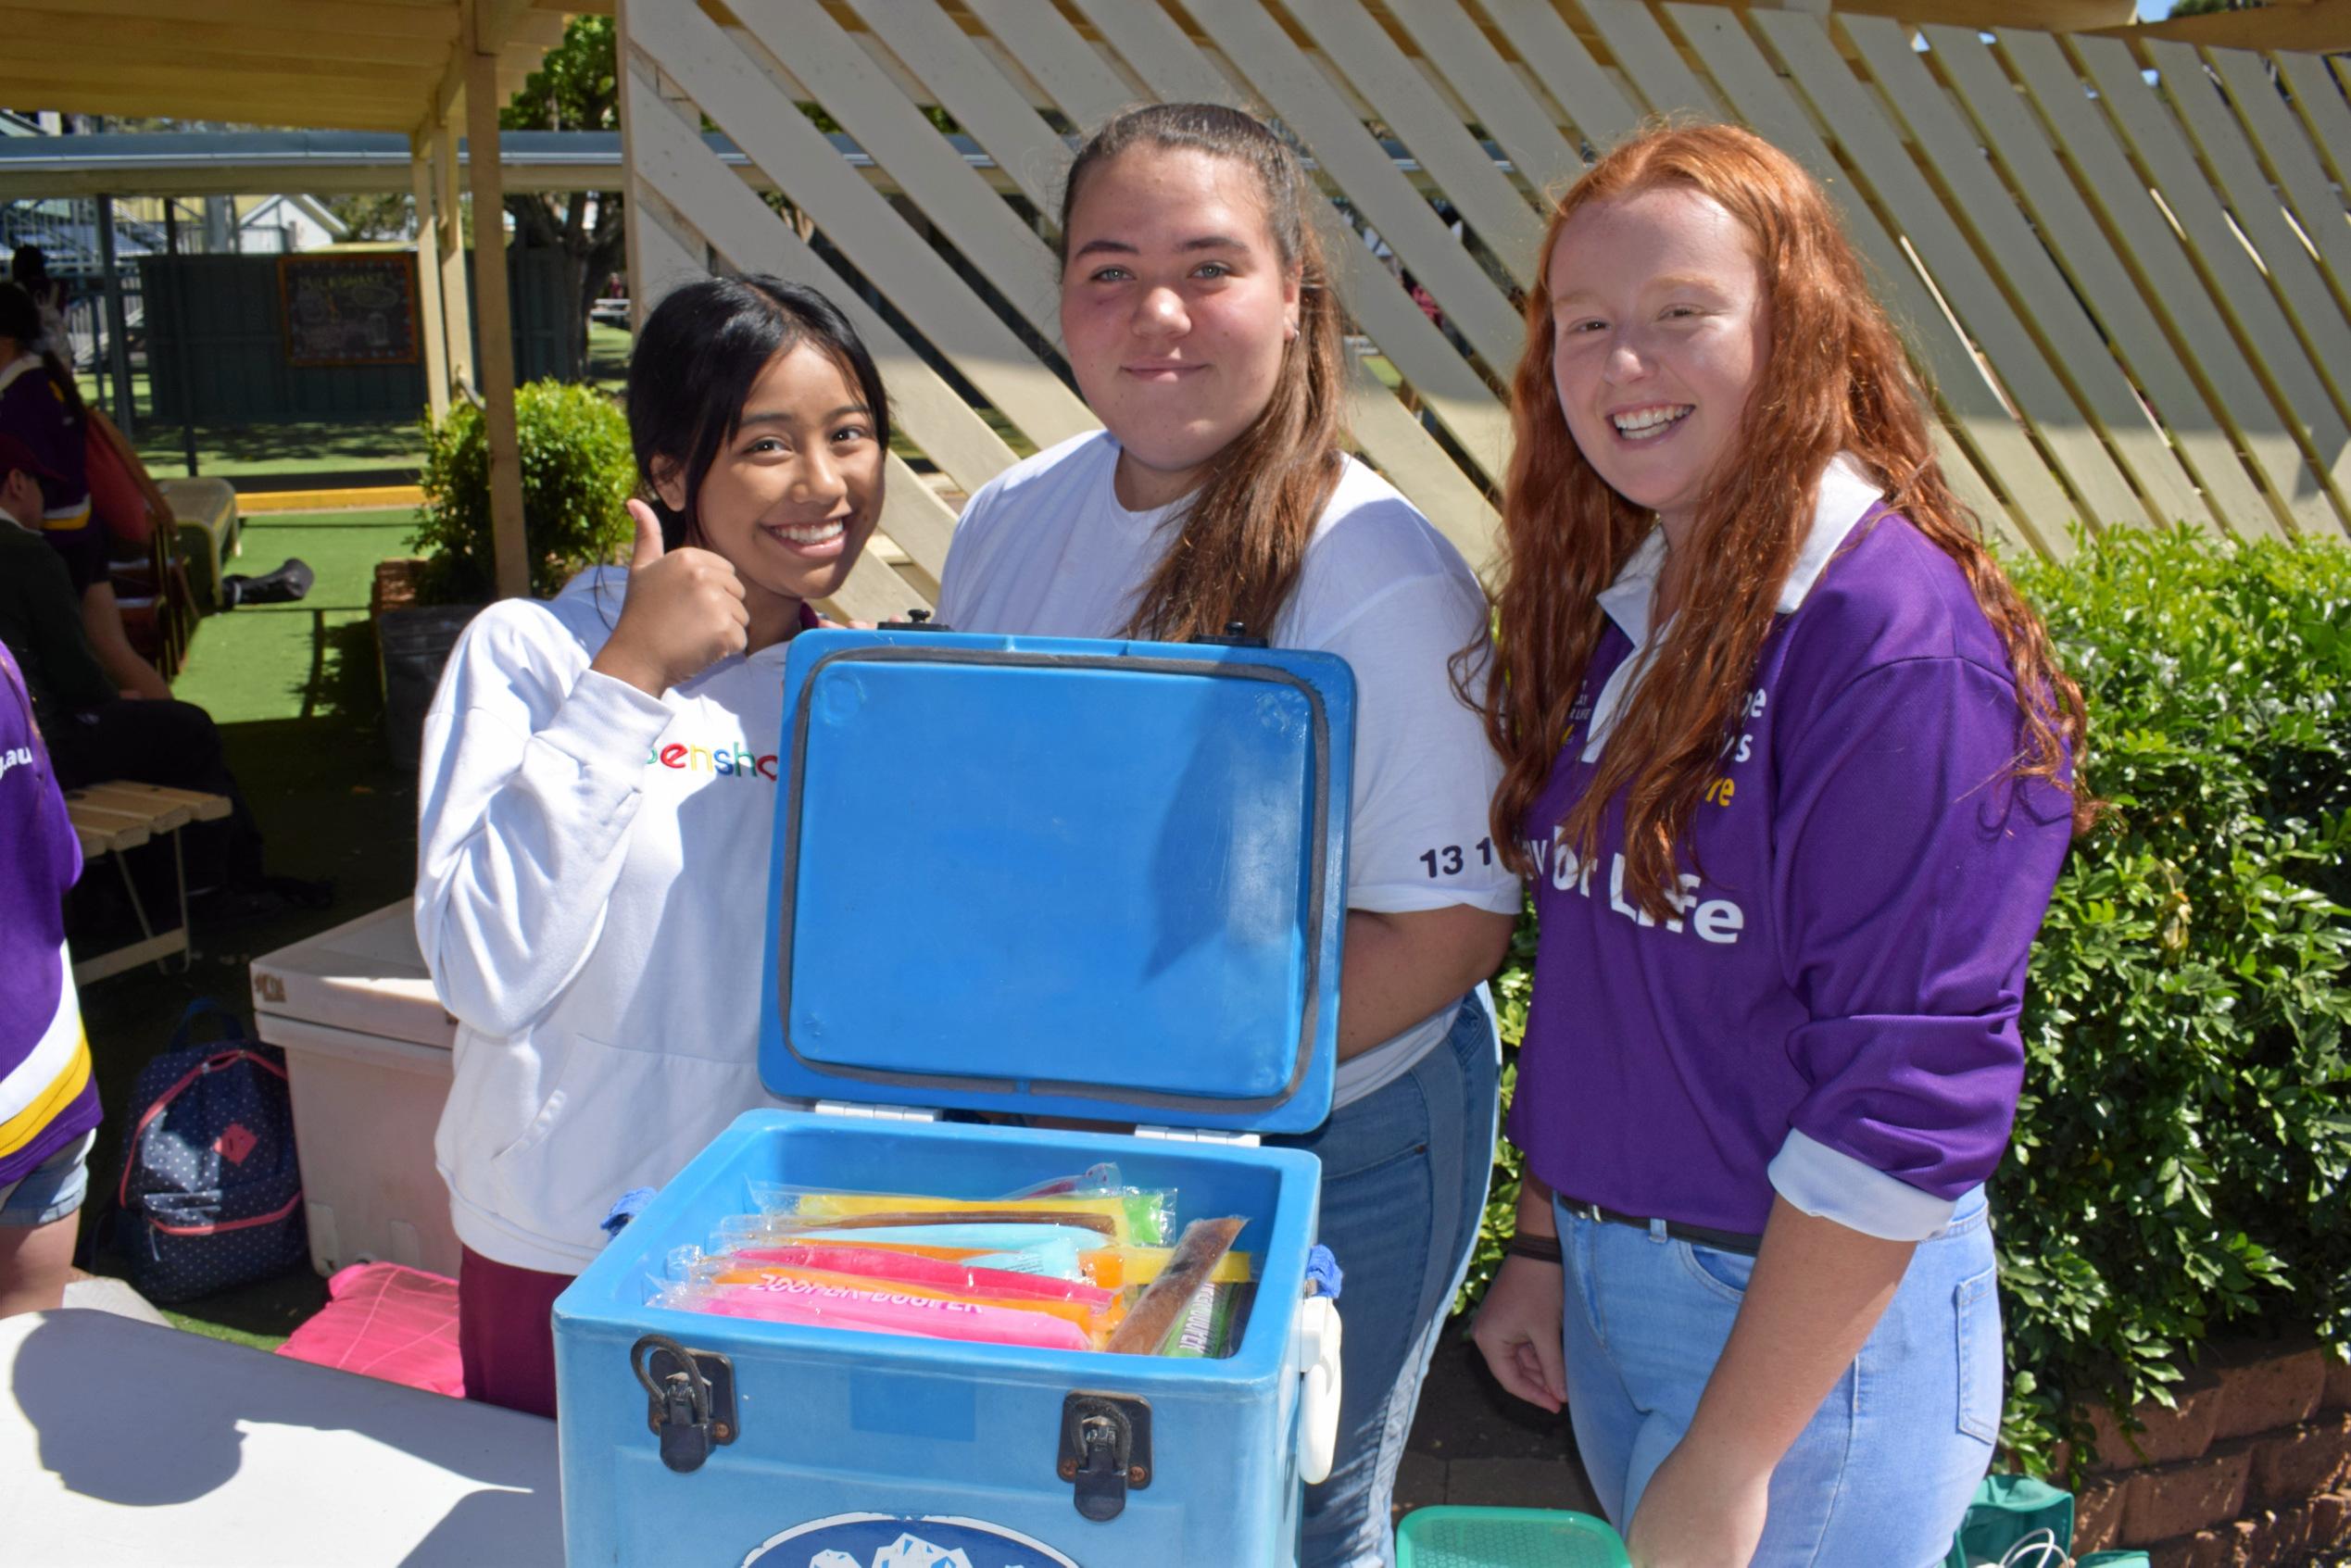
(595, 793)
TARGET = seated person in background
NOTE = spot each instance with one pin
(96, 734)
(48, 1101)
(40, 407)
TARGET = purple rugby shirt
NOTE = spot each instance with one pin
(1833, 1015)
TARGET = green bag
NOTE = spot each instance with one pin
(2006, 1510)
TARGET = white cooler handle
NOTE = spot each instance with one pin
(1318, 1341)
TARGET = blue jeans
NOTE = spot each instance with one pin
(1404, 1172)
(1884, 1469)
(50, 1190)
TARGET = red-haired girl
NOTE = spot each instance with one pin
(1788, 763)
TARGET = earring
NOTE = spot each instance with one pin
(1289, 333)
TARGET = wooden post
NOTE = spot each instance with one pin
(489, 300)
(431, 325)
(448, 237)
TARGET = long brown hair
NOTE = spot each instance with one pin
(1242, 535)
(1835, 379)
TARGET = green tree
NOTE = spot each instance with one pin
(576, 88)
(383, 216)
(2206, 7)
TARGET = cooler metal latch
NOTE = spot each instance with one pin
(1106, 1447)
(689, 1399)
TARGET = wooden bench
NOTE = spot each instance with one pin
(109, 819)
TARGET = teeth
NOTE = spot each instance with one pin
(1646, 421)
(812, 533)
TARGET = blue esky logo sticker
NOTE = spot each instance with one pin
(894, 1541)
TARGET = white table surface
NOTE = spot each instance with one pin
(124, 1443)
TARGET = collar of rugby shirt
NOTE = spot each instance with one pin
(1845, 495)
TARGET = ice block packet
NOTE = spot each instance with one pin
(1096, 1318)
(1129, 1217)
(1211, 1327)
(888, 1312)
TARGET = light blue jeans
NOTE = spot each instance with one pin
(1885, 1468)
(1404, 1172)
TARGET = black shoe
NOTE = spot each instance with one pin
(285, 585)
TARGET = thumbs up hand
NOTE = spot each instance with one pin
(684, 613)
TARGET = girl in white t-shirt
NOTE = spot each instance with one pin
(598, 797)
(1196, 309)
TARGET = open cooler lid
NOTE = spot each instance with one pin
(1060, 877)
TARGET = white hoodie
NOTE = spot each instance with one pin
(592, 869)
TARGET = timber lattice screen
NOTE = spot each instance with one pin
(2126, 266)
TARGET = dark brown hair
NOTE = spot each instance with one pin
(1836, 380)
(1241, 537)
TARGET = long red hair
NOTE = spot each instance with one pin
(1836, 380)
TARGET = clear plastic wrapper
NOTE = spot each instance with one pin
(1129, 1216)
(823, 1305)
(1211, 1327)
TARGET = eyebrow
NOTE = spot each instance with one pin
(1669, 280)
(783, 417)
(1120, 248)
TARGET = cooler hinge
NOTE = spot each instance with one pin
(1199, 1135)
(874, 1112)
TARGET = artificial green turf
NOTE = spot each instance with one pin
(295, 690)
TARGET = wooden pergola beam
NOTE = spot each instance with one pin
(2306, 26)
(351, 17)
(327, 84)
(496, 335)
(151, 38)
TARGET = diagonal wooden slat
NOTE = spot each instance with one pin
(1979, 430)
(1081, 84)
(2291, 162)
(1295, 90)
(859, 97)
(969, 87)
(2204, 437)
(1874, 150)
(2294, 278)
(1156, 50)
(2318, 99)
(1403, 98)
(1461, 52)
(680, 168)
(774, 134)
(1593, 103)
(1649, 57)
(2235, 283)
(2148, 248)
(2058, 318)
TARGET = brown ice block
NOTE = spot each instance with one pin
(1144, 1330)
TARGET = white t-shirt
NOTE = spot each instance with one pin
(1046, 549)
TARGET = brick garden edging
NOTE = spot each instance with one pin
(2251, 1470)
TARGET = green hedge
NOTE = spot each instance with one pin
(578, 473)
(2185, 1126)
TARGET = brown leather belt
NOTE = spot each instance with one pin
(1697, 1235)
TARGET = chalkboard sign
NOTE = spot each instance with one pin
(350, 309)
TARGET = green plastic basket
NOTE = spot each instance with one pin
(1506, 1538)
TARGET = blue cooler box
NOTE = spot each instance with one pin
(1034, 878)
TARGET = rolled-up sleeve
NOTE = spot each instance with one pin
(1912, 875)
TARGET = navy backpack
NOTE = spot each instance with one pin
(210, 1196)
